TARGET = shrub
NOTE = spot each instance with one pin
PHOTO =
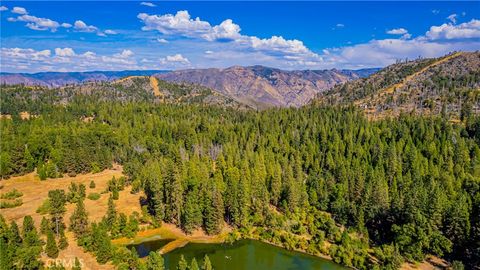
(93, 196)
(92, 184)
(11, 195)
(11, 204)
(44, 208)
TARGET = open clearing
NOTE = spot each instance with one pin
(35, 192)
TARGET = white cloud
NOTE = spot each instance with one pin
(227, 30)
(65, 59)
(64, 52)
(148, 4)
(124, 54)
(28, 54)
(397, 31)
(182, 24)
(449, 31)
(340, 25)
(110, 32)
(178, 24)
(36, 23)
(19, 10)
(3, 8)
(435, 11)
(177, 58)
(452, 18)
(208, 52)
(81, 26)
(162, 40)
(173, 61)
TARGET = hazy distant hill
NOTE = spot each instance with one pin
(18, 98)
(261, 87)
(428, 86)
(56, 79)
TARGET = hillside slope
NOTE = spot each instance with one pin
(262, 87)
(448, 85)
(16, 99)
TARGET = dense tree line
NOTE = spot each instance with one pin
(408, 186)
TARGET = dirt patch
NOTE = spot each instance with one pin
(154, 85)
(27, 115)
(430, 263)
(170, 231)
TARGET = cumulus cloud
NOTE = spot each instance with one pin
(397, 31)
(227, 30)
(34, 22)
(124, 54)
(452, 18)
(19, 10)
(81, 26)
(179, 24)
(177, 58)
(20, 53)
(64, 52)
(110, 32)
(182, 24)
(65, 59)
(148, 4)
(3, 8)
(445, 31)
(162, 40)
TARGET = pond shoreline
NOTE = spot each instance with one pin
(180, 239)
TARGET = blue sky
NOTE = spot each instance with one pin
(86, 35)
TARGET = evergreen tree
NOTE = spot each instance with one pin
(51, 249)
(207, 265)
(111, 215)
(194, 264)
(79, 220)
(182, 263)
(62, 242)
(14, 235)
(57, 200)
(155, 261)
(45, 226)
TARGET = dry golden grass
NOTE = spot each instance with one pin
(430, 263)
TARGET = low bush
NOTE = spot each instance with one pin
(93, 196)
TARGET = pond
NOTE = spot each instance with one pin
(243, 255)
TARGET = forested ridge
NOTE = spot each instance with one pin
(394, 190)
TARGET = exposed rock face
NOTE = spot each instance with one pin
(262, 87)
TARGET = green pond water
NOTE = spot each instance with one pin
(241, 255)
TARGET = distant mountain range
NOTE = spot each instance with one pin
(446, 85)
(255, 86)
(57, 79)
(261, 87)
